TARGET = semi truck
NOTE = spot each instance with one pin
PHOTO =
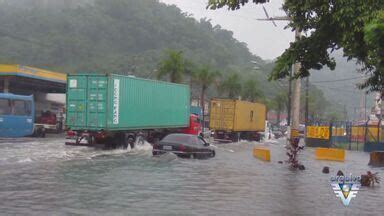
(116, 110)
(232, 120)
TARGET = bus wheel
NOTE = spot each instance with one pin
(42, 135)
(39, 132)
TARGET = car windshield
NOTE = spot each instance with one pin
(181, 138)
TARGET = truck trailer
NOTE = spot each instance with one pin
(116, 110)
(232, 120)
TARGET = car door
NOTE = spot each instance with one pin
(202, 146)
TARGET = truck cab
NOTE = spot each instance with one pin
(194, 125)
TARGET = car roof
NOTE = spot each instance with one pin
(181, 134)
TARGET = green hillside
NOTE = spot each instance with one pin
(115, 35)
(340, 86)
(126, 37)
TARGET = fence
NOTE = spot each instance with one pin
(374, 137)
(346, 135)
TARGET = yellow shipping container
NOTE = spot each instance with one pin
(236, 115)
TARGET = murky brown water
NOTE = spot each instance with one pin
(44, 177)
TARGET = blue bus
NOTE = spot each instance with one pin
(17, 115)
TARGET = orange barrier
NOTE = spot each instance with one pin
(332, 154)
(262, 153)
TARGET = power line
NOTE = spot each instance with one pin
(338, 80)
(338, 89)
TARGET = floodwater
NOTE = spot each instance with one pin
(45, 177)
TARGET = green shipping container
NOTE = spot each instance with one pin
(115, 102)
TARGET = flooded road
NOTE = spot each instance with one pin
(45, 177)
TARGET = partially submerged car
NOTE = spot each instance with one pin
(185, 146)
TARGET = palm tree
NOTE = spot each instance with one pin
(205, 77)
(174, 65)
(252, 92)
(279, 103)
(231, 85)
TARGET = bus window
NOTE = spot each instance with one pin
(21, 108)
(5, 107)
(28, 107)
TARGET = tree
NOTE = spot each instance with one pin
(354, 26)
(280, 101)
(205, 77)
(174, 65)
(251, 91)
(231, 85)
(374, 37)
(232, 4)
(318, 105)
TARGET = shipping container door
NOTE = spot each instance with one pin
(222, 114)
(97, 98)
(76, 101)
(246, 115)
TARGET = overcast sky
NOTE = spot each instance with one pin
(262, 37)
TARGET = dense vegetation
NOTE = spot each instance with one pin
(132, 37)
(355, 26)
(115, 35)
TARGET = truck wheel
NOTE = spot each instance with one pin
(235, 137)
(118, 141)
(140, 140)
(125, 140)
(129, 140)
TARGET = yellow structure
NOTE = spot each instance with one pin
(31, 72)
(338, 132)
(262, 153)
(236, 115)
(332, 154)
(20, 79)
(317, 132)
(358, 133)
(294, 133)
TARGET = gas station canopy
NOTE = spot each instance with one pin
(20, 79)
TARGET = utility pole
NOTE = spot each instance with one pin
(289, 97)
(365, 107)
(293, 138)
(295, 103)
(306, 100)
(296, 100)
(296, 92)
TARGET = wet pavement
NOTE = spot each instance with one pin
(45, 177)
